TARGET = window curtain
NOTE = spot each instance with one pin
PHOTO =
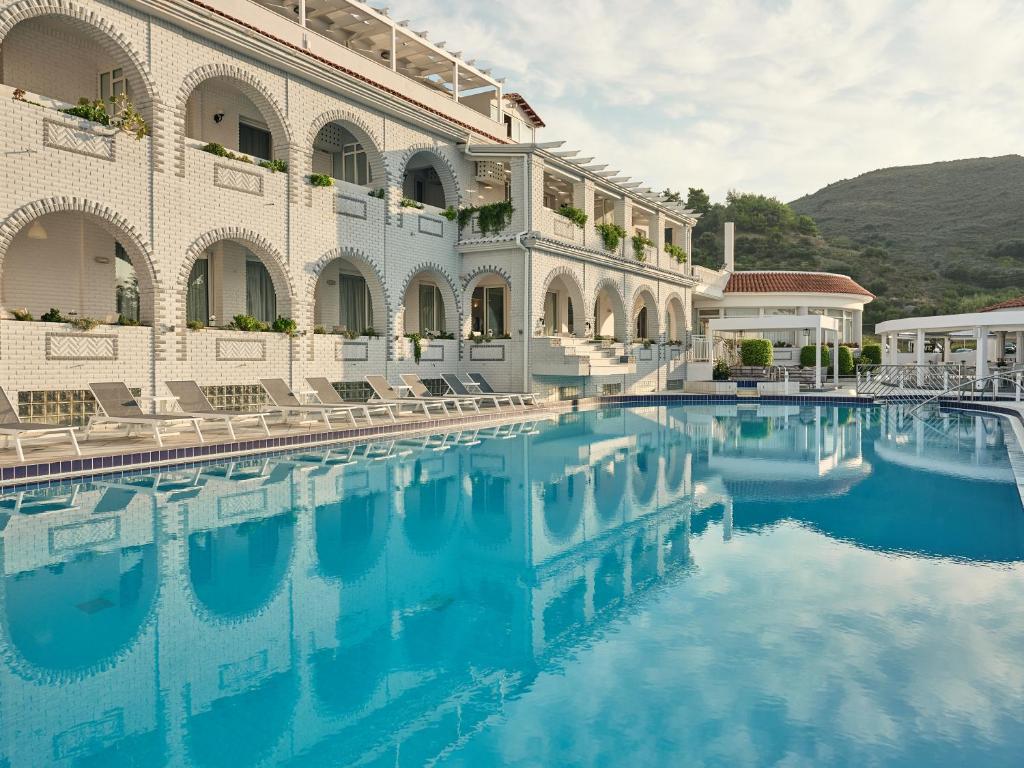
(431, 309)
(496, 311)
(352, 315)
(260, 298)
(197, 299)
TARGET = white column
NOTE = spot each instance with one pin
(455, 81)
(1019, 340)
(835, 360)
(1000, 345)
(817, 358)
(981, 353)
(919, 355)
(302, 12)
(394, 49)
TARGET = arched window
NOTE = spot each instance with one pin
(641, 323)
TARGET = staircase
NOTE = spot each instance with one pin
(573, 356)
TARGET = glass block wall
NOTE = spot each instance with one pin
(68, 407)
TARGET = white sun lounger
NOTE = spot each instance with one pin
(12, 427)
(419, 390)
(193, 402)
(120, 407)
(387, 394)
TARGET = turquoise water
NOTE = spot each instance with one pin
(694, 585)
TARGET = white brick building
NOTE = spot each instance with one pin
(98, 224)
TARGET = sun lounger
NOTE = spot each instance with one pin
(284, 400)
(13, 428)
(120, 407)
(419, 390)
(458, 387)
(193, 402)
(387, 394)
(328, 395)
(486, 389)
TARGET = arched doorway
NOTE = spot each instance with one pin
(675, 319)
(430, 304)
(228, 277)
(609, 312)
(349, 297)
(645, 317)
(80, 264)
(426, 179)
(60, 57)
(564, 313)
(345, 151)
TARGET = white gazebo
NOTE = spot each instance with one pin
(982, 327)
(819, 324)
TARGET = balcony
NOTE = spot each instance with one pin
(366, 43)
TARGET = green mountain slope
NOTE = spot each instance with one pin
(927, 238)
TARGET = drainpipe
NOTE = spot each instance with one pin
(527, 261)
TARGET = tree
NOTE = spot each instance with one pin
(671, 196)
(698, 201)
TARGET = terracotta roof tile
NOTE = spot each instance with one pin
(793, 282)
(1008, 304)
(518, 99)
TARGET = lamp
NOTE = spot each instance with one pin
(37, 231)
(218, 117)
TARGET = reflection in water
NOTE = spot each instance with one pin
(692, 566)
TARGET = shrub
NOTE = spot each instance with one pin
(274, 166)
(611, 235)
(370, 333)
(248, 323)
(93, 111)
(21, 314)
(407, 202)
(319, 330)
(284, 325)
(195, 325)
(575, 215)
(216, 149)
(321, 180)
(380, 194)
(845, 361)
(128, 118)
(52, 316)
(122, 320)
(871, 354)
(721, 371)
(756, 352)
(84, 323)
(807, 356)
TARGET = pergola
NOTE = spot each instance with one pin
(975, 325)
(819, 324)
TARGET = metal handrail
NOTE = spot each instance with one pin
(1012, 375)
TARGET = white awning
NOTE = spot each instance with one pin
(774, 323)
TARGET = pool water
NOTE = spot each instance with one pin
(694, 585)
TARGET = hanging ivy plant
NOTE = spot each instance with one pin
(640, 243)
(611, 235)
(417, 346)
(575, 215)
(675, 252)
(493, 218)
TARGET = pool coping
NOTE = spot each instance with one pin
(30, 476)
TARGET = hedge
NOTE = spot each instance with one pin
(871, 354)
(807, 356)
(756, 352)
(845, 361)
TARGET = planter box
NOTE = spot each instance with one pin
(778, 387)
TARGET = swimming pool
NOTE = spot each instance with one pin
(716, 585)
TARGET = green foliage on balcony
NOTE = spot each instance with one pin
(575, 215)
(640, 244)
(611, 235)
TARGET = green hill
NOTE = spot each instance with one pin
(951, 232)
(926, 239)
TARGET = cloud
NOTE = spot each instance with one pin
(775, 97)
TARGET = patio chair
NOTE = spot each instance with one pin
(458, 387)
(13, 428)
(485, 388)
(328, 395)
(419, 390)
(193, 402)
(387, 394)
(120, 407)
(286, 402)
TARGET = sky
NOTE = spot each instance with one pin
(770, 96)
